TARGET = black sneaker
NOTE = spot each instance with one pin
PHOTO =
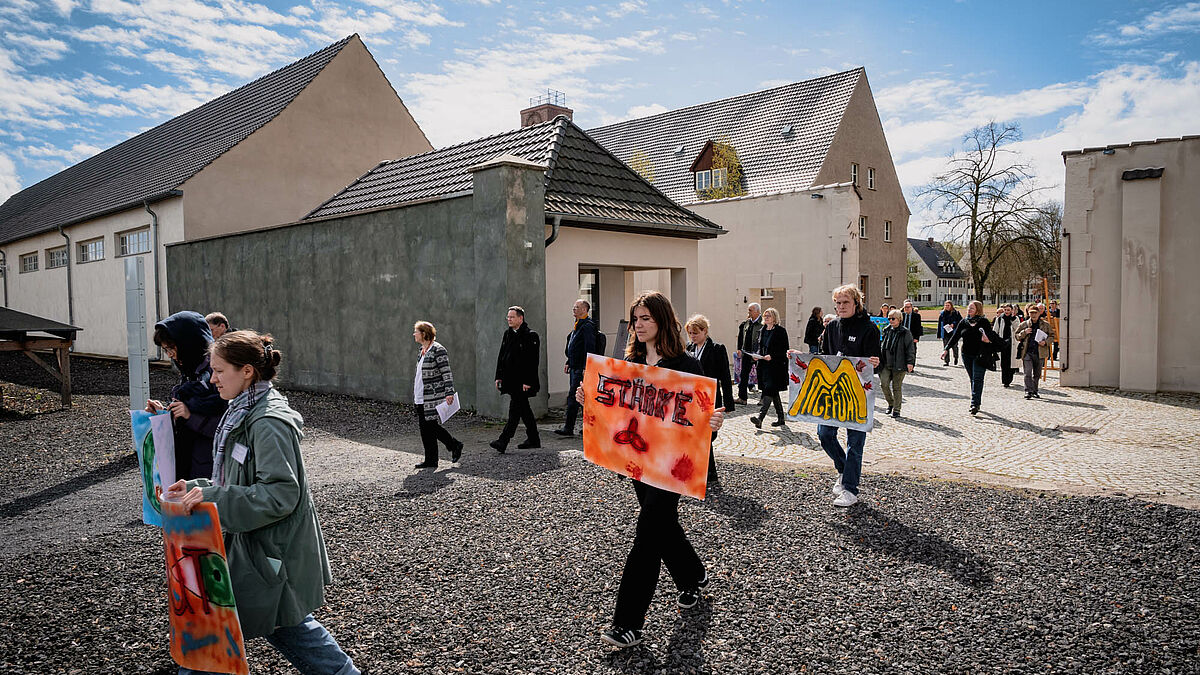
(498, 446)
(1035, 395)
(530, 443)
(778, 423)
(889, 410)
(456, 453)
(757, 422)
(564, 432)
(426, 465)
(974, 410)
(896, 414)
(619, 637)
(689, 598)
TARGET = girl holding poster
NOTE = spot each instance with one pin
(655, 339)
(278, 566)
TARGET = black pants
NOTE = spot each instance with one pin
(1006, 370)
(659, 540)
(573, 407)
(769, 397)
(744, 380)
(432, 431)
(712, 460)
(519, 411)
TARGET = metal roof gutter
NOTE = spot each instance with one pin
(638, 226)
(137, 203)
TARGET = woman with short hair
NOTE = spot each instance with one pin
(772, 367)
(898, 355)
(978, 342)
(714, 359)
(432, 384)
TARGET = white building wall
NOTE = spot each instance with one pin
(99, 286)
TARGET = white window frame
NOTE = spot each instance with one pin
(29, 262)
(887, 230)
(703, 180)
(719, 176)
(123, 239)
(854, 173)
(52, 253)
(870, 178)
(83, 250)
(887, 287)
(862, 227)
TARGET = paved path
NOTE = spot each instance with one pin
(1143, 445)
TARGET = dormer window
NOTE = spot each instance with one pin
(703, 180)
(717, 172)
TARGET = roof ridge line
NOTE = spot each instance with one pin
(561, 122)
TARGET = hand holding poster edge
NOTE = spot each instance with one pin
(648, 423)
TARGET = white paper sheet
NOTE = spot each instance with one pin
(446, 410)
(1040, 336)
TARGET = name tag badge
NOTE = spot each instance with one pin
(239, 453)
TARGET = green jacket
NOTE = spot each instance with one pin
(273, 542)
(1023, 331)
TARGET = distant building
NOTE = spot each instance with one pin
(941, 277)
(263, 154)
(536, 217)
(802, 178)
(1130, 315)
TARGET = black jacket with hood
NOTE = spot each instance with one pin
(855, 336)
(193, 436)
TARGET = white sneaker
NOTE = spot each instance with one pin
(837, 487)
(847, 498)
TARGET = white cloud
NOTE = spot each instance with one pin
(1181, 19)
(683, 36)
(34, 50)
(301, 10)
(64, 7)
(10, 181)
(628, 7)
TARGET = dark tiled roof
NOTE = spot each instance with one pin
(585, 184)
(16, 325)
(772, 160)
(931, 253)
(159, 160)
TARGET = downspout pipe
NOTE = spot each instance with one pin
(154, 258)
(1066, 314)
(4, 273)
(842, 271)
(70, 289)
(553, 231)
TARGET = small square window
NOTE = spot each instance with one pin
(29, 262)
(870, 178)
(137, 241)
(91, 250)
(56, 257)
(887, 230)
(703, 180)
(862, 227)
(854, 174)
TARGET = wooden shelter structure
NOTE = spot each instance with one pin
(25, 333)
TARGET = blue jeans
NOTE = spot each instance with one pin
(310, 648)
(849, 461)
(975, 371)
(814, 349)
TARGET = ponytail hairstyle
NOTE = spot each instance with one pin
(669, 342)
(249, 348)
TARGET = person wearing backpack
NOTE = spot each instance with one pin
(581, 341)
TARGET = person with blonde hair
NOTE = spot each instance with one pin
(714, 359)
(978, 344)
(851, 334)
(772, 368)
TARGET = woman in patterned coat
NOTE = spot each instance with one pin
(433, 383)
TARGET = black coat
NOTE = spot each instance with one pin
(968, 330)
(193, 436)
(813, 330)
(912, 322)
(773, 374)
(581, 341)
(715, 362)
(897, 351)
(947, 318)
(855, 336)
(517, 364)
(749, 335)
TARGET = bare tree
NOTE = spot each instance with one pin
(986, 198)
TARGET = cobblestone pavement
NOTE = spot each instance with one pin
(1143, 445)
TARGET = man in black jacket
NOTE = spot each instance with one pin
(747, 343)
(912, 321)
(517, 376)
(851, 334)
(581, 341)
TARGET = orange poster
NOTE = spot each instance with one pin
(205, 631)
(648, 423)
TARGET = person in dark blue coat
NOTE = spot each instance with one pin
(196, 406)
(581, 341)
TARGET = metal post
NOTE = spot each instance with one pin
(135, 326)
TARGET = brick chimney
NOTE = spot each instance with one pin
(545, 108)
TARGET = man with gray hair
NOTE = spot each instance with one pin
(749, 333)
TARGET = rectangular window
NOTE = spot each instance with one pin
(870, 178)
(703, 180)
(29, 262)
(718, 177)
(137, 241)
(862, 285)
(56, 257)
(862, 227)
(854, 174)
(589, 289)
(887, 230)
(91, 250)
(926, 283)
(887, 287)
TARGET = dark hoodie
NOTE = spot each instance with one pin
(193, 436)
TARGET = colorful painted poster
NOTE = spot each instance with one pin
(651, 424)
(833, 390)
(205, 632)
(880, 323)
(154, 441)
(737, 370)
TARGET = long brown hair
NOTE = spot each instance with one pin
(669, 342)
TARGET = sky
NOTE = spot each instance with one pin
(79, 76)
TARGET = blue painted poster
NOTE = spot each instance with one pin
(154, 441)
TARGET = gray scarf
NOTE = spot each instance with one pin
(234, 414)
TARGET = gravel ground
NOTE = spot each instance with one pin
(510, 564)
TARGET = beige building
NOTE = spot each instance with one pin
(818, 202)
(1131, 236)
(263, 154)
